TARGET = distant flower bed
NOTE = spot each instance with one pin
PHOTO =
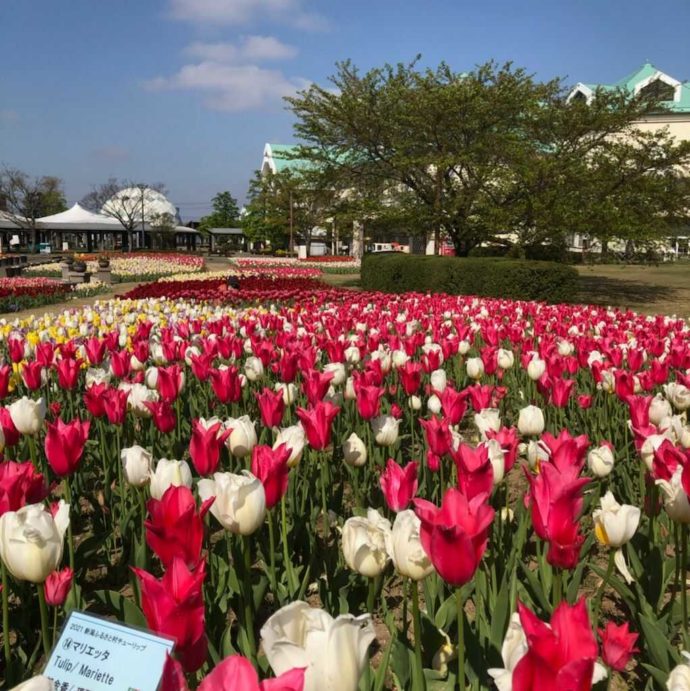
(327, 264)
(133, 266)
(21, 293)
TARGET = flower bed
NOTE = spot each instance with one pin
(135, 266)
(21, 293)
(521, 469)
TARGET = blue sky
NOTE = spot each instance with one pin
(186, 92)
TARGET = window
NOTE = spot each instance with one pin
(579, 97)
(658, 90)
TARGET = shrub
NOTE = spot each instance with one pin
(483, 276)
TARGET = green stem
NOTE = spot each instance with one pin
(417, 620)
(326, 528)
(286, 551)
(272, 555)
(55, 623)
(44, 618)
(248, 598)
(461, 638)
(5, 619)
(557, 587)
(374, 584)
(684, 583)
(406, 587)
(70, 538)
(600, 592)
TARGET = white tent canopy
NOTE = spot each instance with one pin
(78, 218)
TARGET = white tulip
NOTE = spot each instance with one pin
(137, 463)
(678, 394)
(364, 543)
(433, 405)
(649, 446)
(600, 460)
(475, 367)
(253, 368)
(414, 403)
(354, 451)
(333, 651)
(464, 347)
(439, 380)
(39, 683)
(514, 648)
(496, 458)
(659, 409)
(399, 357)
(339, 373)
(675, 499)
(240, 504)
(405, 547)
(169, 473)
(96, 375)
(352, 355)
(289, 392)
(505, 358)
(565, 348)
(487, 420)
(243, 437)
(151, 377)
(537, 453)
(136, 364)
(32, 541)
(531, 421)
(679, 679)
(295, 439)
(536, 368)
(385, 429)
(139, 395)
(350, 393)
(28, 415)
(614, 523)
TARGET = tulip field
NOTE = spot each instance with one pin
(312, 489)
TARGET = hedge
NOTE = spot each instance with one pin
(483, 276)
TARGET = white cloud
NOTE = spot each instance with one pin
(229, 87)
(250, 48)
(239, 12)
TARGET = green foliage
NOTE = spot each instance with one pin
(491, 154)
(486, 277)
(225, 213)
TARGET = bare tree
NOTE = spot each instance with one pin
(27, 199)
(130, 203)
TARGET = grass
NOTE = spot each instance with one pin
(650, 289)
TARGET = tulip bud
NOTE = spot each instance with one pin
(531, 421)
(487, 420)
(438, 380)
(475, 368)
(339, 373)
(253, 368)
(405, 547)
(354, 451)
(505, 358)
(364, 543)
(385, 429)
(243, 437)
(464, 347)
(600, 460)
(536, 368)
(137, 463)
(28, 415)
(169, 473)
(434, 404)
(414, 403)
(289, 392)
(350, 393)
(675, 499)
(352, 355)
(57, 586)
(295, 439)
(678, 395)
(240, 504)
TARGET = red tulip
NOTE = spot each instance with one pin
(454, 536)
(315, 385)
(95, 350)
(639, 410)
(410, 375)
(15, 347)
(561, 390)
(45, 353)
(201, 365)
(574, 452)
(559, 656)
(94, 399)
(20, 485)
(625, 384)
(120, 363)
(169, 382)
(399, 484)
(617, 645)
(173, 678)
(480, 396)
(235, 673)
(32, 375)
(396, 411)
(271, 407)
(64, 445)
(433, 461)
(57, 586)
(115, 405)
(175, 528)
(68, 373)
(475, 472)
(508, 439)
(368, 400)
(437, 433)
(226, 384)
(667, 458)
(317, 423)
(11, 433)
(174, 606)
(163, 415)
(453, 404)
(584, 401)
(271, 467)
(205, 446)
(5, 374)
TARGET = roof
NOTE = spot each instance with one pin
(226, 231)
(638, 79)
(278, 158)
(78, 216)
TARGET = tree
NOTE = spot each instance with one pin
(163, 231)
(491, 155)
(27, 199)
(225, 213)
(132, 211)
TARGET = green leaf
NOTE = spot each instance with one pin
(122, 607)
(656, 643)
